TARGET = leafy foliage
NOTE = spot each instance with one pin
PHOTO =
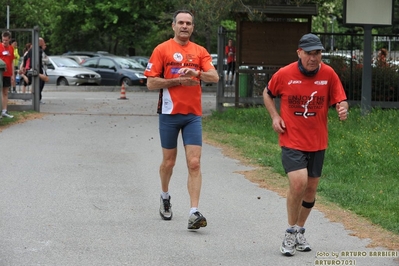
(137, 26)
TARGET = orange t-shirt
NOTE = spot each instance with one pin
(7, 55)
(165, 61)
(304, 105)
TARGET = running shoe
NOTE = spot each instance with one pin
(165, 210)
(6, 114)
(301, 243)
(288, 245)
(196, 220)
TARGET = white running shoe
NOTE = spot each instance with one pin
(289, 241)
(165, 209)
(301, 243)
(6, 114)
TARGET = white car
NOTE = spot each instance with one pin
(78, 58)
(65, 71)
(215, 61)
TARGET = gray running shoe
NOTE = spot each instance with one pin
(288, 245)
(196, 220)
(301, 243)
(165, 209)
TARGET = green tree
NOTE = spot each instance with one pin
(117, 27)
(208, 16)
(136, 26)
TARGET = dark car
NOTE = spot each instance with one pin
(116, 70)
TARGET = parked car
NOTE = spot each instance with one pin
(116, 70)
(64, 71)
(77, 58)
(347, 59)
(143, 60)
(136, 64)
(215, 61)
(89, 54)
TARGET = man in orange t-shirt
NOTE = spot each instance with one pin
(307, 89)
(176, 68)
(7, 55)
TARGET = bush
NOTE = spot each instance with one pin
(385, 80)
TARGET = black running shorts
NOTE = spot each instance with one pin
(293, 160)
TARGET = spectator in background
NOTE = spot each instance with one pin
(22, 72)
(230, 52)
(42, 74)
(382, 58)
(7, 55)
(43, 78)
(14, 44)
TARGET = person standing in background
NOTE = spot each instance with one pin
(230, 52)
(382, 58)
(22, 70)
(176, 68)
(14, 44)
(43, 77)
(7, 55)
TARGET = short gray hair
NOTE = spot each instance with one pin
(182, 11)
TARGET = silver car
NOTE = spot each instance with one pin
(78, 58)
(65, 71)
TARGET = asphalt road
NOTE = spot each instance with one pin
(80, 186)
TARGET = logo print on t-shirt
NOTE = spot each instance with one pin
(305, 114)
(178, 57)
(190, 57)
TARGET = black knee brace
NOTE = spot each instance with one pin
(308, 205)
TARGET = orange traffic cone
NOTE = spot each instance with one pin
(123, 92)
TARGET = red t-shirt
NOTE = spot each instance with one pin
(304, 105)
(165, 61)
(7, 55)
(228, 50)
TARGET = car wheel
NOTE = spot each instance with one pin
(126, 81)
(62, 82)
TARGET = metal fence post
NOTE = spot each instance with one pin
(367, 75)
(220, 69)
(2, 69)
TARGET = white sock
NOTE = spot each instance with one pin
(4, 111)
(193, 209)
(165, 195)
(295, 227)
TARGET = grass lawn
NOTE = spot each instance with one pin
(361, 166)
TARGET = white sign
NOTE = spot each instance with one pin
(368, 12)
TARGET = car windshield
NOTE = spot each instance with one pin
(65, 62)
(128, 63)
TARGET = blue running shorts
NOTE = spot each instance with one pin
(170, 125)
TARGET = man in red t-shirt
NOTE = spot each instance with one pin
(176, 68)
(7, 55)
(307, 89)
